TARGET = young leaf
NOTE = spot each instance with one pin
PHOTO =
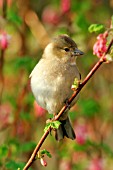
(56, 124)
(53, 125)
(48, 125)
(75, 84)
(97, 28)
(44, 151)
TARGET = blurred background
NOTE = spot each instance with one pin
(26, 27)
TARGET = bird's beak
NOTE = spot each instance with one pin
(78, 52)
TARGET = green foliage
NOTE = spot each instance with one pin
(28, 146)
(81, 7)
(78, 147)
(14, 17)
(25, 62)
(97, 28)
(82, 22)
(53, 125)
(45, 152)
(25, 116)
(10, 165)
(3, 151)
(89, 107)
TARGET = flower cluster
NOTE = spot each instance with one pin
(100, 46)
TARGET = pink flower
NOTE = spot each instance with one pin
(100, 46)
(38, 110)
(4, 40)
(65, 6)
(50, 16)
(81, 134)
(43, 162)
(96, 164)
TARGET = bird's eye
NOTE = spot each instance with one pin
(66, 49)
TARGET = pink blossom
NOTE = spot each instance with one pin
(4, 40)
(38, 110)
(50, 16)
(100, 46)
(96, 164)
(65, 6)
(81, 134)
(43, 162)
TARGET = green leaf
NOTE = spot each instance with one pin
(97, 28)
(48, 125)
(53, 125)
(3, 151)
(44, 151)
(56, 124)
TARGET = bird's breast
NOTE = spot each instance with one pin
(51, 84)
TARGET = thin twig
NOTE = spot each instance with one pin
(94, 69)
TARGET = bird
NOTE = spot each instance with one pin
(52, 78)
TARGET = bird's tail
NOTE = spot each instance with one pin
(65, 129)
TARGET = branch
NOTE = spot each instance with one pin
(94, 69)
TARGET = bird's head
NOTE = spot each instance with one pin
(63, 47)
